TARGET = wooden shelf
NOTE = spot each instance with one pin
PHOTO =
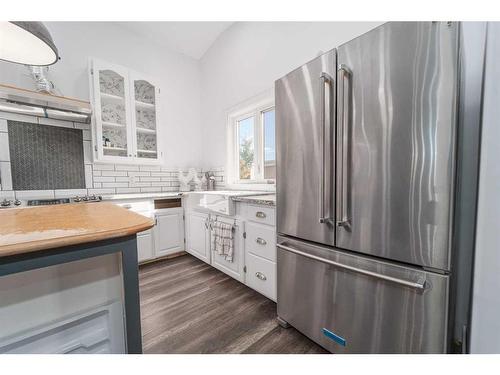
(147, 151)
(144, 130)
(113, 148)
(142, 104)
(112, 124)
(111, 96)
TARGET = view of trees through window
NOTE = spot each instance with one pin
(246, 148)
(255, 145)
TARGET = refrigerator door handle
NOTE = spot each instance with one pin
(343, 219)
(419, 284)
(325, 79)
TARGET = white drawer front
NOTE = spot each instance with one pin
(261, 240)
(260, 214)
(261, 275)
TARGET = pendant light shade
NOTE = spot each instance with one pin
(27, 43)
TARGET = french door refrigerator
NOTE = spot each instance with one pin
(366, 189)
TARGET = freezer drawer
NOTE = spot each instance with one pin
(352, 304)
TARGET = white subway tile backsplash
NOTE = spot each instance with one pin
(160, 174)
(69, 193)
(120, 167)
(114, 184)
(4, 147)
(9, 195)
(88, 176)
(52, 122)
(34, 194)
(96, 173)
(141, 184)
(104, 167)
(149, 179)
(3, 125)
(87, 152)
(87, 136)
(150, 189)
(103, 179)
(139, 173)
(149, 168)
(97, 184)
(101, 191)
(5, 176)
(127, 190)
(123, 179)
(160, 184)
(113, 173)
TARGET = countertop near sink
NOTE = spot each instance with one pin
(267, 199)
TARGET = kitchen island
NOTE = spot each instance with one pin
(38, 237)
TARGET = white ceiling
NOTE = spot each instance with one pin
(190, 38)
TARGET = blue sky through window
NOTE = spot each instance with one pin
(269, 144)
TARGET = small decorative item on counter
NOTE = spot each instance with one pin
(196, 180)
(204, 182)
(184, 180)
(210, 180)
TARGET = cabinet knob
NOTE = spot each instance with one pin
(261, 276)
(260, 214)
(261, 241)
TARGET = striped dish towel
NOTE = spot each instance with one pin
(222, 239)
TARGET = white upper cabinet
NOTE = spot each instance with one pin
(125, 115)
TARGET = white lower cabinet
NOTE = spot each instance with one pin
(261, 275)
(169, 231)
(198, 235)
(145, 246)
(254, 254)
(235, 267)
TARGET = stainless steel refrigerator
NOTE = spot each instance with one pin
(375, 158)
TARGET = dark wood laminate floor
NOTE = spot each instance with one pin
(187, 306)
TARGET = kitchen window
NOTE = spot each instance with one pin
(251, 142)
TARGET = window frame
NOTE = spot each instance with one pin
(254, 107)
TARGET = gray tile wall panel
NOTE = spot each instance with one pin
(45, 157)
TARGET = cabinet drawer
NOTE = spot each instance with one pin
(261, 275)
(260, 214)
(261, 240)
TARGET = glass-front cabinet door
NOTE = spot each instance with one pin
(126, 116)
(145, 117)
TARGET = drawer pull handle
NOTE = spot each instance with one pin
(261, 276)
(260, 214)
(261, 241)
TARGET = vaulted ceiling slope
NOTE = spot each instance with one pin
(190, 38)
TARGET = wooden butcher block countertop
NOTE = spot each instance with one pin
(24, 230)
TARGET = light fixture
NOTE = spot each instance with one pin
(27, 43)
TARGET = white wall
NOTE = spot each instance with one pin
(178, 77)
(485, 329)
(246, 60)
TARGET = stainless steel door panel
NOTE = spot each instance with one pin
(305, 149)
(375, 306)
(397, 102)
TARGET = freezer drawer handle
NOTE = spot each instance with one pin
(261, 241)
(261, 276)
(420, 284)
